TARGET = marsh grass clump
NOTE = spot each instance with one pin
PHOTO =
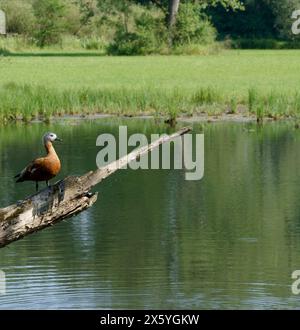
(260, 113)
(296, 104)
(208, 95)
(214, 110)
(259, 105)
(233, 105)
(252, 99)
(280, 105)
(174, 104)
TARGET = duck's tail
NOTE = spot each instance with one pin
(19, 178)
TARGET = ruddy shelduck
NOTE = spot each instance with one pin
(45, 168)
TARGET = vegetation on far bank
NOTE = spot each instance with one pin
(143, 27)
(123, 27)
(259, 83)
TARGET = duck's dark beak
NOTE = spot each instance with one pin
(58, 139)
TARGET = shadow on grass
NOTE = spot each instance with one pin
(50, 54)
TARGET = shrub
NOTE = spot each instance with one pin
(49, 15)
(153, 30)
(192, 27)
(20, 18)
(126, 43)
(148, 37)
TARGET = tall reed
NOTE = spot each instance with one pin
(28, 102)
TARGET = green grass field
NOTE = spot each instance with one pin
(267, 82)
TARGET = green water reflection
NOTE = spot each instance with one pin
(154, 240)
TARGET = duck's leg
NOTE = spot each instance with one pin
(47, 183)
(36, 186)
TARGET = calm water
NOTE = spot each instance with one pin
(154, 240)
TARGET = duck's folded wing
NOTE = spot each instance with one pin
(30, 169)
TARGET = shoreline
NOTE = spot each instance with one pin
(198, 118)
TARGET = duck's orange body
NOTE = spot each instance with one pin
(42, 169)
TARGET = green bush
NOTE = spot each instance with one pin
(192, 27)
(49, 14)
(126, 43)
(20, 18)
(153, 30)
(149, 37)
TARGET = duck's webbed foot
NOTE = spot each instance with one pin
(37, 186)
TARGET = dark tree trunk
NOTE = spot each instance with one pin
(171, 18)
(172, 12)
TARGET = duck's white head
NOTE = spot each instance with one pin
(50, 137)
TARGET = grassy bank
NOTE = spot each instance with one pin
(22, 45)
(262, 83)
(27, 102)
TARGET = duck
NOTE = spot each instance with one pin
(44, 168)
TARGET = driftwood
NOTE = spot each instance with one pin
(64, 199)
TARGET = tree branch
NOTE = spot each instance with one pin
(64, 199)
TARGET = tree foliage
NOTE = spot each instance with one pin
(192, 27)
(261, 18)
(138, 23)
(49, 14)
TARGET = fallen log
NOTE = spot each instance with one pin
(64, 199)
